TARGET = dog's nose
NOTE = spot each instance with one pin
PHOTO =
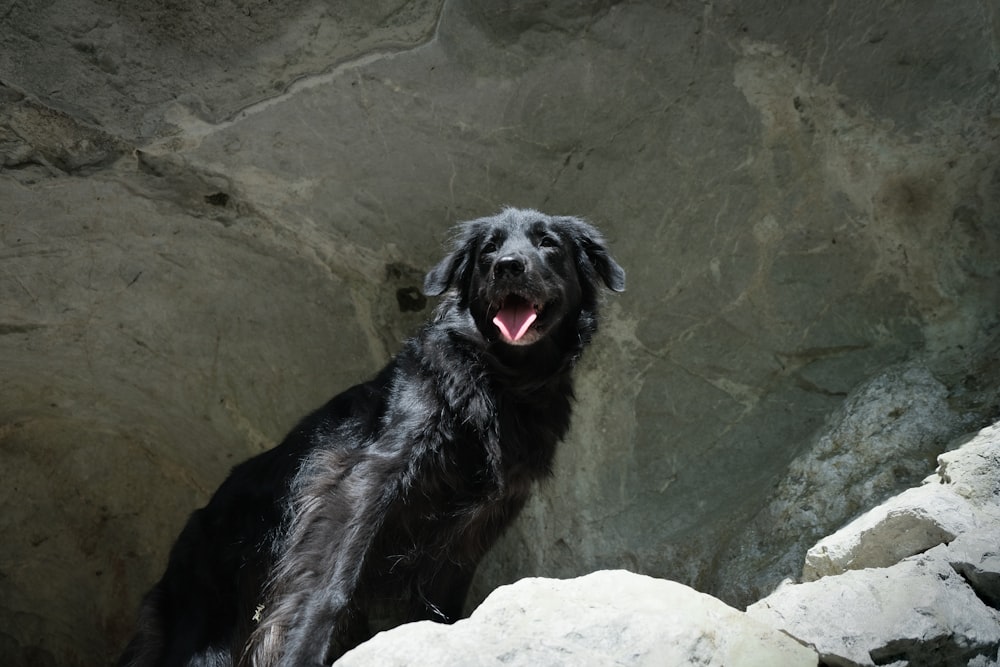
(508, 267)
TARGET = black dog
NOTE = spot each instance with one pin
(389, 495)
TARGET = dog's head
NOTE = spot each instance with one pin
(526, 277)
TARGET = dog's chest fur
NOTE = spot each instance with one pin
(483, 442)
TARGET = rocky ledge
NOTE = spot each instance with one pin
(914, 582)
(610, 617)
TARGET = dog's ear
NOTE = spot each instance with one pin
(451, 271)
(608, 269)
(598, 259)
(445, 274)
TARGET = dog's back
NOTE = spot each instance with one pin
(207, 603)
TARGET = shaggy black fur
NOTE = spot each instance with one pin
(390, 494)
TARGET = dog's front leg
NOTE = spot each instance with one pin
(440, 593)
(329, 542)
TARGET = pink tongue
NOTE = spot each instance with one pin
(513, 320)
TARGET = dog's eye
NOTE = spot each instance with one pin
(489, 247)
(548, 242)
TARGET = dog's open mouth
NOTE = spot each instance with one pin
(515, 317)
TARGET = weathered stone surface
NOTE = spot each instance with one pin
(908, 524)
(126, 67)
(214, 215)
(919, 611)
(963, 496)
(917, 579)
(977, 558)
(33, 135)
(884, 435)
(604, 618)
(973, 470)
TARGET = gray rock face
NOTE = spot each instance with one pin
(122, 67)
(915, 580)
(215, 215)
(884, 435)
(604, 618)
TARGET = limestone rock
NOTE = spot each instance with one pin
(908, 524)
(604, 618)
(977, 558)
(919, 611)
(962, 497)
(917, 579)
(973, 470)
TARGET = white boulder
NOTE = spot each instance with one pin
(604, 618)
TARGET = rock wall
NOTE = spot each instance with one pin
(215, 215)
